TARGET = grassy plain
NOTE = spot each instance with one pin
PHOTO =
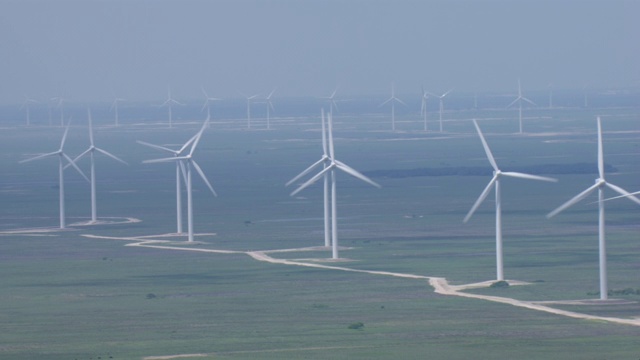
(65, 296)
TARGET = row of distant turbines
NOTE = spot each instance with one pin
(330, 165)
(332, 101)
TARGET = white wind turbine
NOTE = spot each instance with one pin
(207, 103)
(600, 184)
(26, 107)
(393, 99)
(423, 107)
(331, 99)
(495, 181)
(441, 100)
(61, 157)
(91, 151)
(188, 161)
(249, 99)
(325, 160)
(169, 103)
(331, 167)
(179, 167)
(114, 106)
(519, 100)
(269, 107)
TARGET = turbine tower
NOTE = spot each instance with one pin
(61, 158)
(91, 151)
(26, 107)
(207, 103)
(269, 107)
(169, 103)
(423, 107)
(600, 184)
(114, 106)
(331, 168)
(325, 161)
(495, 181)
(519, 100)
(393, 99)
(179, 168)
(188, 161)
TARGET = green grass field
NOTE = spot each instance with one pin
(67, 296)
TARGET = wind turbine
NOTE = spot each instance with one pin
(169, 103)
(495, 181)
(519, 100)
(423, 107)
(188, 161)
(269, 107)
(325, 160)
(441, 98)
(249, 98)
(331, 99)
(25, 105)
(114, 106)
(393, 99)
(600, 184)
(61, 157)
(179, 167)
(91, 150)
(207, 103)
(59, 101)
(331, 167)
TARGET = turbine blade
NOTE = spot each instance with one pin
(193, 138)
(486, 147)
(111, 156)
(39, 157)
(204, 178)
(330, 122)
(529, 101)
(171, 159)
(513, 102)
(621, 196)
(324, 135)
(447, 93)
(386, 101)
(400, 101)
(79, 157)
(183, 170)
(306, 171)
(600, 151)
(313, 179)
(64, 136)
(481, 198)
(573, 200)
(156, 146)
(623, 192)
(75, 166)
(90, 126)
(528, 176)
(198, 137)
(353, 172)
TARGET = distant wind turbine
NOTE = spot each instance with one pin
(393, 99)
(114, 106)
(169, 103)
(91, 151)
(519, 100)
(441, 98)
(269, 107)
(61, 158)
(423, 107)
(249, 99)
(188, 162)
(59, 101)
(26, 106)
(331, 167)
(495, 182)
(208, 100)
(331, 99)
(600, 184)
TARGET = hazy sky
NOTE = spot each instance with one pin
(96, 50)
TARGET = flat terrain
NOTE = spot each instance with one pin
(117, 289)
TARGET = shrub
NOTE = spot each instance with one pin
(356, 326)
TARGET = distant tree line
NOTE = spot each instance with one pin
(544, 169)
